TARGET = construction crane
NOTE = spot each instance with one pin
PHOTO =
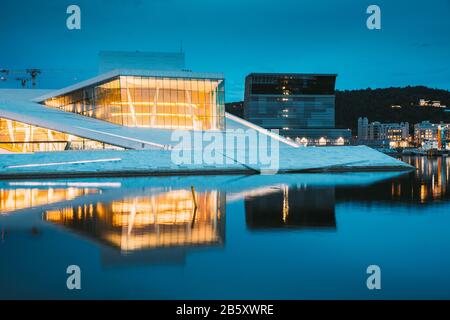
(4, 74)
(33, 74)
(23, 81)
(21, 75)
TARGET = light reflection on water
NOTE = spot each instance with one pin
(283, 236)
(156, 219)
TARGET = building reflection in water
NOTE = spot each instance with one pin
(291, 207)
(431, 176)
(24, 198)
(157, 220)
(428, 184)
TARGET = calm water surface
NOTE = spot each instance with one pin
(301, 236)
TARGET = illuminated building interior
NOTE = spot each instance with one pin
(17, 136)
(173, 218)
(23, 198)
(150, 102)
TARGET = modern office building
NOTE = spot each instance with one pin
(300, 106)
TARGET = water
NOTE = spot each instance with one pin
(302, 236)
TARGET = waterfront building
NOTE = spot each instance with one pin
(394, 132)
(363, 128)
(300, 106)
(432, 136)
(380, 134)
(425, 131)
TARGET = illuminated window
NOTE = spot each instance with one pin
(322, 141)
(21, 137)
(340, 141)
(304, 141)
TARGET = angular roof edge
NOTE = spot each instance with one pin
(130, 72)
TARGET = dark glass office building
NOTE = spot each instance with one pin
(300, 106)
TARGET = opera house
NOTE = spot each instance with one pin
(96, 127)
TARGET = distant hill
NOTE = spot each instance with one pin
(376, 105)
(235, 108)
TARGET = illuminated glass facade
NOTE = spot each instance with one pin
(150, 102)
(17, 136)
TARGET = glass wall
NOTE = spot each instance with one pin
(292, 84)
(150, 102)
(290, 101)
(21, 137)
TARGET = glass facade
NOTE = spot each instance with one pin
(292, 84)
(17, 136)
(290, 101)
(300, 106)
(150, 102)
(275, 112)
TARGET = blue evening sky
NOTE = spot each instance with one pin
(236, 37)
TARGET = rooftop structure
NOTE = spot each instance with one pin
(112, 60)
